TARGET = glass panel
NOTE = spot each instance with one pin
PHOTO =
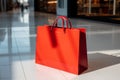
(106, 7)
(83, 7)
(95, 7)
(61, 3)
(118, 7)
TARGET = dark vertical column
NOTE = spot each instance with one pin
(6, 5)
(72, 8)
(0, 5)
(35, 5)
(9, 5)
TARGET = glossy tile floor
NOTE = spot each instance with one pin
(17, 48)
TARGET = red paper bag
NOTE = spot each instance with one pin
(62, 48)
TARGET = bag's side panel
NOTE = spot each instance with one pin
(83, 60)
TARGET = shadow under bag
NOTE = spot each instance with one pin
(63, 47)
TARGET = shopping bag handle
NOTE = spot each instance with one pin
(64, 19)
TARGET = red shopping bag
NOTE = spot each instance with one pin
(63, 47)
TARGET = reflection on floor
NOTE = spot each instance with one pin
(17, 48)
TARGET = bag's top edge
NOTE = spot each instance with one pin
(62, 27)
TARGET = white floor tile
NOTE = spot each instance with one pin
(47, 73)
(18, 72)
(108, 73)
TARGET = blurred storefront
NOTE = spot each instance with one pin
(102, 10)
(98, 7)
(93, 9)
(84, 7)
